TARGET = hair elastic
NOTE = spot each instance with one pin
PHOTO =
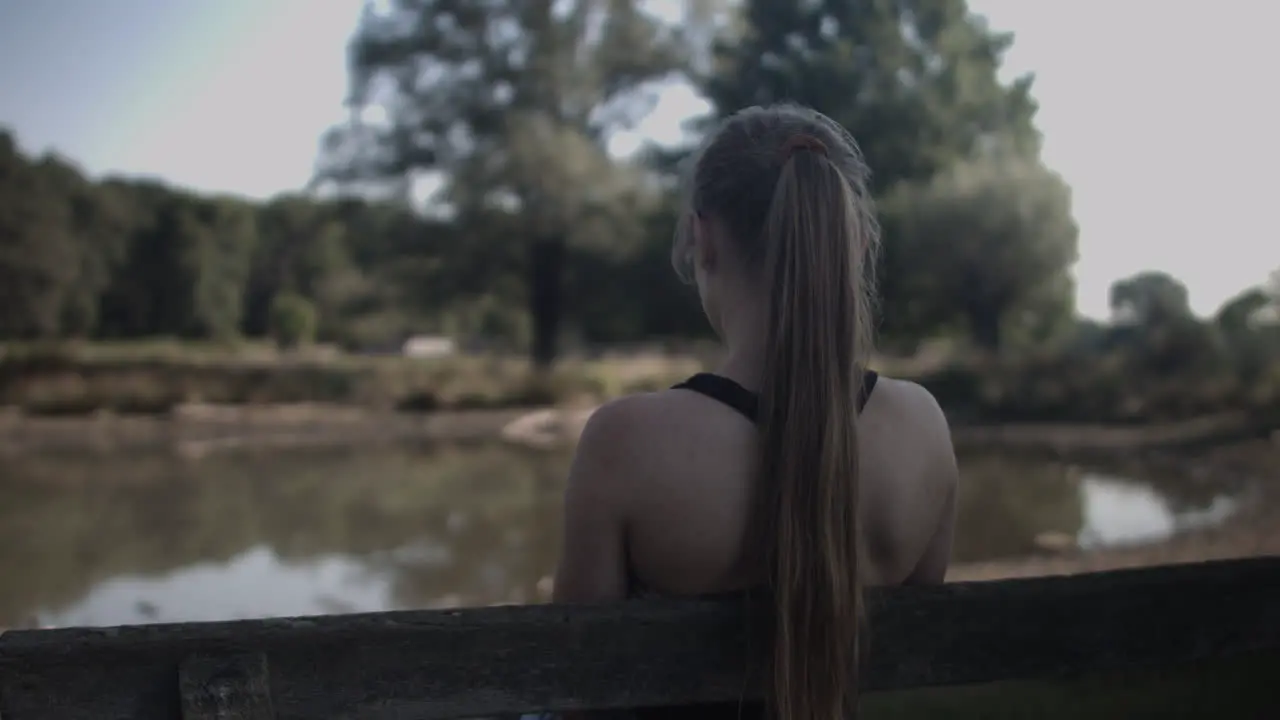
(800, 142)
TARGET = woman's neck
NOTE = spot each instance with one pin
(745, 340)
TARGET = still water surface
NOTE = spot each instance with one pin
(156, 538)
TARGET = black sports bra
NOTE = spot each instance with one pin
(719, 387)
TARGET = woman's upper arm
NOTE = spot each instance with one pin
(932, 566)
(593, 565)
(944, 477)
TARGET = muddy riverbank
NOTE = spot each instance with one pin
(199, 429)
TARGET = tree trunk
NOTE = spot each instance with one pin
(546, 271)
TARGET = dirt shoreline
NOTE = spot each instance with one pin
(199, 429)
(1236, 539)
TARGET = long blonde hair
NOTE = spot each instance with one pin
(790, 186)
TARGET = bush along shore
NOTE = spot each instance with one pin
(129, 396)
(62, 383)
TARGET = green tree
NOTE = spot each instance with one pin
(1253, 341)
(98, 222)
(293, 320)
(185, 268)
(511, 101)
(61, 237)
(223, 234)
(145, 293)
(302, 248)
(398, 276)
(1149, 298)
(915, 81)
(1158, 330)
(990, 243)
(40, 256)
(637, 296)
(1237, 314)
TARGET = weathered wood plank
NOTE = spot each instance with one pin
(489, 661)
(225, 687)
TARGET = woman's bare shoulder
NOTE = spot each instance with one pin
(902, 411)
(626, 426)
(907, 401)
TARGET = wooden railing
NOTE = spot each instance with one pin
(509, 660)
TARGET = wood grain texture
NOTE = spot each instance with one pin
(225, 687)
(507, 660)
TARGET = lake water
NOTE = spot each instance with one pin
(117, 539)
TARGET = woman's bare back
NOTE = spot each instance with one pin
(682, 469)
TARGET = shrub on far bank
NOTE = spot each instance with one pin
(1106, 389)
(1058, 387)
(293, 321)
(70, 382)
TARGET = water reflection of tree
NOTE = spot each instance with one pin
(68, 523)
(1005, 502)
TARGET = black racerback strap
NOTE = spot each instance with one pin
(718, 387)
